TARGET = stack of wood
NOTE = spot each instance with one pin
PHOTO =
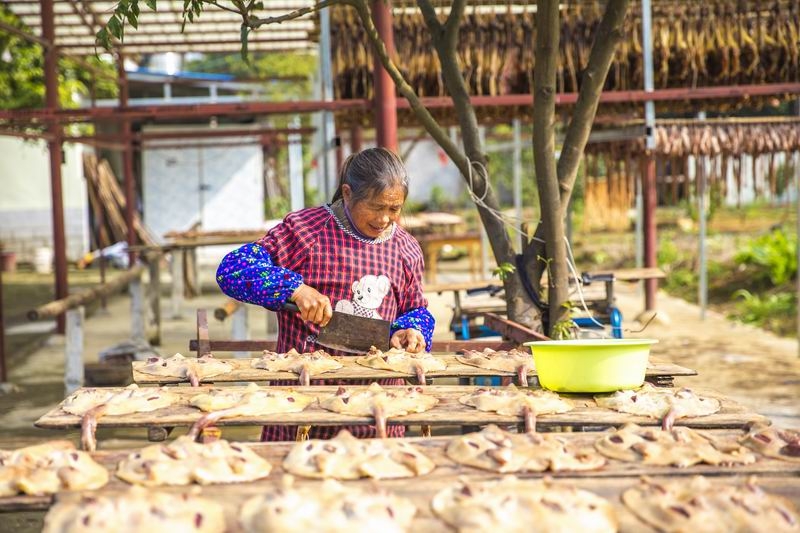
(107, 202)
(696, 44)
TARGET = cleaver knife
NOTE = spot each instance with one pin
(351, 333)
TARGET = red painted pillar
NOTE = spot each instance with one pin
(127, 159)
(56, 156)
(385, 100)
(356, 139)
(337, 142)
(649, 223)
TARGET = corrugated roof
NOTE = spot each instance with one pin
(77, 22)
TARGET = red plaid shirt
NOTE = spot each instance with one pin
(336, 261)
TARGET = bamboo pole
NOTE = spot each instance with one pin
(58, 307)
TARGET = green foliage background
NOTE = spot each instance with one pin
(22, 78)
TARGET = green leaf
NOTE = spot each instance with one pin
(115, 27)
(131, 16)
(151, 4)
(103, 39)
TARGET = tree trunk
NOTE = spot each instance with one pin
(537, 256)
(445, 40)
(544, 107)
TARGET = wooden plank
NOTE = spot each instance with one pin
(242, 371)
(511, 330)
(448, 412)
(462, 285)
(257, 345)
(774, 475)
(421, 491)
(633, 274)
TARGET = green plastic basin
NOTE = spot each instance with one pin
(591, 365)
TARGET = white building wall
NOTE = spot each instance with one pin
(217, 187)
(26, 220)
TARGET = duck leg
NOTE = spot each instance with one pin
(305, 375)
(522, 375)
(380, 421)
(208, 419)
(89, 427)
(669, 419)
(529, 417)
(419, 371)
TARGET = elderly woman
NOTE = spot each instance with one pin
(349, 255)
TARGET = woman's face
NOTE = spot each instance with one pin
(372, 215)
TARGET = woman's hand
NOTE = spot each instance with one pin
(314, 306)
(410, 340)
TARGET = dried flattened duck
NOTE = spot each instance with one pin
(516, 361)
(516, 506)
(194, 369)
(661, 403)
(49, 468)
(680, 446)
(511, 401)
(250, 401)
(91, 404)
(330, 507)
(501, 451)
(184, 461)
(774, 442)
(379, 403)
(304, 365)
(346, 457)
(699, 505)
(135, 510)
(399, 360)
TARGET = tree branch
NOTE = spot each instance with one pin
(430, 18)
(609, 34)
(226, 8)
(255, 22)
(421, 112)
(453, 22)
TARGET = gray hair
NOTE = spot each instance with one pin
(371, 172)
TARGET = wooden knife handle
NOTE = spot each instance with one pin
(291, 306)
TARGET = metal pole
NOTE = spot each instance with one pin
(56, 156)
(296, 190)
(127, 160)
(328, 132)
(517, 169)
(702, 289)
(73, 351)
(356, 139)
(385, 100)
(3, 374)
(649, 182)
(797, 213)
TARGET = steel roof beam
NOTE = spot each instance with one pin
(188, 111)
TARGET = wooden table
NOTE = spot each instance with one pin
(433, 244)
(242, 371)
(448, 412)
(775, 476)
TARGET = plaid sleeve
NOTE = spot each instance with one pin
(412, 307)
(249, 275)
